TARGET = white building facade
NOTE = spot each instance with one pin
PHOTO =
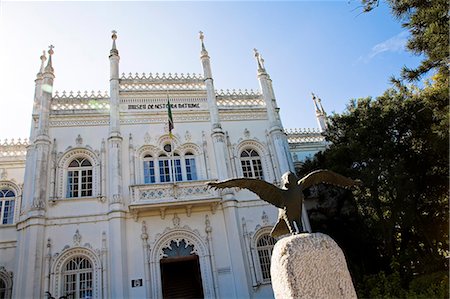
(104, 202)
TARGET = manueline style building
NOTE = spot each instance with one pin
(104, 202)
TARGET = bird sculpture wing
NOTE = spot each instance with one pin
(266, 191)
(326, 177)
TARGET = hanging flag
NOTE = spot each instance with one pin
(169, 112)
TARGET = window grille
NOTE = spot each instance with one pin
(166, 169)
(251, 164)
(79, 178)
(2, 289)
(149, 170)
(191, 171)
(264, 246)
(77, 277)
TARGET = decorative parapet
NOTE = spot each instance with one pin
(169, 193)
(161, 82)
(304, 135)
(13, 149)
(234, 98)
(69, 101)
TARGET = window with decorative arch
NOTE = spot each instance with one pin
(2, 289)
(261, 245)
(6, 283)
(7, 205)
(251, 164)
(77, 278)
(76, 273)
(78, 174)
(79, 178)
(164, 167)
(264, 248)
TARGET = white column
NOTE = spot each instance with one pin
(30, 252)
(217, 134)
(234, 237)
(116, 216)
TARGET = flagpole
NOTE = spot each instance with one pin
(170, 121)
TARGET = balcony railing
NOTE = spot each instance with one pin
(170, 194)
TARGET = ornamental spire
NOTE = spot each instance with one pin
(315, 102)
(202, 37)
(43, 59)
(260, 61)
(114, 50)
(49, 67)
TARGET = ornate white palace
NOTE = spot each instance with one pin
(101, 202)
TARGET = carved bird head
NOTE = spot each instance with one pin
(288, 180)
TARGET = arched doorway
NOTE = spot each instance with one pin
(180, 271)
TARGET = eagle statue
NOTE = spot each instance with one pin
(289, 199)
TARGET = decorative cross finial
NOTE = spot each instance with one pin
(49, 67)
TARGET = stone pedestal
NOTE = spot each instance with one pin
(310, 266)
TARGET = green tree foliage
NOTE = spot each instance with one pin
(397, 145)
(428, 24)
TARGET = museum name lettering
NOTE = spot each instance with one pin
(164, 106)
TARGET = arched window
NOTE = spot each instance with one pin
(251, 164)
(79, 178)
(164, 168)
(264, 246)
(77, 278)
(2, 289)
(177, 164)
(191, 170)
(168, 165)
(149, 170)
(7, 203)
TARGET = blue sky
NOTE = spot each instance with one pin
(325, 47)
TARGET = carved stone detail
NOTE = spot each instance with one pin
(147, 138)
(246, 133)
(77, 238)
(188, 136)
(176, 220)
(79, 140)
(265, 218)
(3, 174)
(208, 228)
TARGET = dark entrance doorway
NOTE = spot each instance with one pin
(181, 277)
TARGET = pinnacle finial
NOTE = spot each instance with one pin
(49, 67)
(259, 59)
(43, 59)
(50, 51)
(202, 37)
(114, 48)
(318, 103)
(315, 102)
